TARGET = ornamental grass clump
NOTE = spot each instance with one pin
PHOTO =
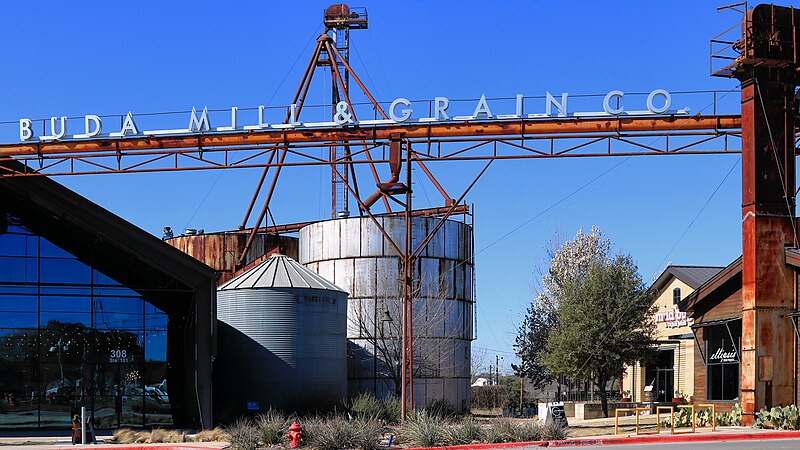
(424, 430)
(128, 436)
(391, 409)
(333, 433)
(527, 431)
(217, 434)
(552, 432)
(162, 436)
(466, 431)
(366, 406)
(272, 427)
(243, 435)
(440, 408)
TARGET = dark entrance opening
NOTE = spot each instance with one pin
(661, 375)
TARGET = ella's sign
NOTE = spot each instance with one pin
(722, 356)
(658, 101)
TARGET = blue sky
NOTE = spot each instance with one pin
(110, 57)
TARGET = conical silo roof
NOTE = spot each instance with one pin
(276, 272)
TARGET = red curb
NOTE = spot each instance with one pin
(614, 440)
(483, 446)
(135, 447)
(703, 437)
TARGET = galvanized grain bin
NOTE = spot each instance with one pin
(355, 255)
(281, 341)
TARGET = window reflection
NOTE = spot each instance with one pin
(71, 337)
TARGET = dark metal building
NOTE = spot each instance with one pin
(96, 312)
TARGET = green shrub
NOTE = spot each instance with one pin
(243, 434)
(423, 429)
(527, 431)
(272, 427)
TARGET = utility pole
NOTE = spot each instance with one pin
(522, 367)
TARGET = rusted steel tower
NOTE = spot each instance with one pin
(768, 70)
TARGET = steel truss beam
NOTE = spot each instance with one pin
(485, 140)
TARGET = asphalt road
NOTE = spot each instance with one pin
(793, 444)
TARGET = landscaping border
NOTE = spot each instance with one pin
(618, 440)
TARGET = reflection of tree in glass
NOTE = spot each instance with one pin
(70, 345)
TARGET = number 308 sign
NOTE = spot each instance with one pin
(119, 356)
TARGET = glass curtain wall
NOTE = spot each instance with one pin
(72, 337)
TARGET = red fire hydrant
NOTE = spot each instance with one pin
(294, 435)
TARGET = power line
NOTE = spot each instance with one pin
(221, 172)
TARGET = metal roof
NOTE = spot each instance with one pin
(694, 276)
(279, 271)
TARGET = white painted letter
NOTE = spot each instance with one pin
(261, 123)
(98, 125)
(293, 115)
(551, 101)
(234, 116)
(201, 124)
(440, 104)
(406, 112)
(128, 125)
(482, 108)
(667, 101)
(607, 103)
(25, 132)
(518, 112)
(53, 127)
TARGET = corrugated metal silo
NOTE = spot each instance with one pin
(281, 340)
(354, 255)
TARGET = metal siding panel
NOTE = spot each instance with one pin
(371, 239)
(303, 255)
(460, 282)
(331, 240)
(317, 235)
(364, 283)
(396, 229)
(326, 269)
(389, 277)
(429, 277)
(344, 276)
(447, 278)
(437, 244)
(452, 237)
(350, 232)
(453, 319)
(419, 229)
(450, 393)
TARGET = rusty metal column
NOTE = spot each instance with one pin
(408, 295)
(768, 210)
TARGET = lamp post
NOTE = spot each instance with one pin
(60, 347)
